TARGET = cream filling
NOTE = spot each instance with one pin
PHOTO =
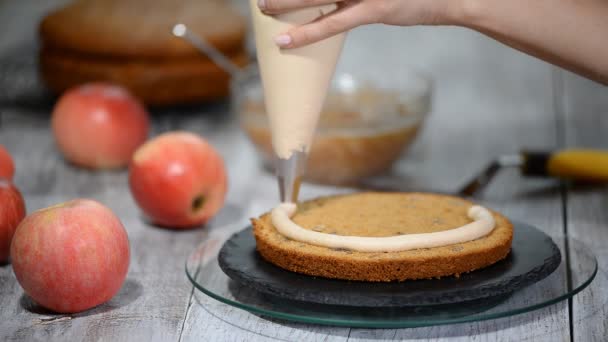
(483, 223)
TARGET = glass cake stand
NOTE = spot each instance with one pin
(204, 272)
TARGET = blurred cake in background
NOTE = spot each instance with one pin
(129, 42)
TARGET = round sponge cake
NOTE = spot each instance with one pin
(376, 215)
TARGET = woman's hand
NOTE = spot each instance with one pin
(569, 33)
(353, 13)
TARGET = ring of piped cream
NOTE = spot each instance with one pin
(482, 225)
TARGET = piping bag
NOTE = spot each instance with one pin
(295, 84)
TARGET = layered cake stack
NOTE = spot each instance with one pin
(129, 42)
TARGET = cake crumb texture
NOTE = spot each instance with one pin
(376, 215)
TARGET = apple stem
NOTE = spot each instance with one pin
(198, 202)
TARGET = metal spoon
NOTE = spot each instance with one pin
(181, 31)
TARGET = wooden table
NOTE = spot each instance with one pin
(489, 100)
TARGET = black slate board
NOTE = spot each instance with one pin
(533, 257)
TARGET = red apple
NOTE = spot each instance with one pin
(99, 126)
(72, 256)
(12, 211)
(7, 167)
(178, 180)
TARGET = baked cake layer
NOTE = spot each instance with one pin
(383, 214)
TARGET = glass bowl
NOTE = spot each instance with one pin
(366, 122)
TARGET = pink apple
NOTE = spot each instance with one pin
(72, 256)
(7, 166)
(178, 180)
(99, 126)
(12, 211)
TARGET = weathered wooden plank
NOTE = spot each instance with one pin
(585, 118)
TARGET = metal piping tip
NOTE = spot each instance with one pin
(289, 175)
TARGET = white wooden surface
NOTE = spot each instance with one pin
(489, 100)
(585, 115)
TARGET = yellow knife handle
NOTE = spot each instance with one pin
(575, 164)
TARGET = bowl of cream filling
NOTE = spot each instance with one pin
(366, 124)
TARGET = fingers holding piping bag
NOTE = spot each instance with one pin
(283, 6)
(353, 13)
(347, 16)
